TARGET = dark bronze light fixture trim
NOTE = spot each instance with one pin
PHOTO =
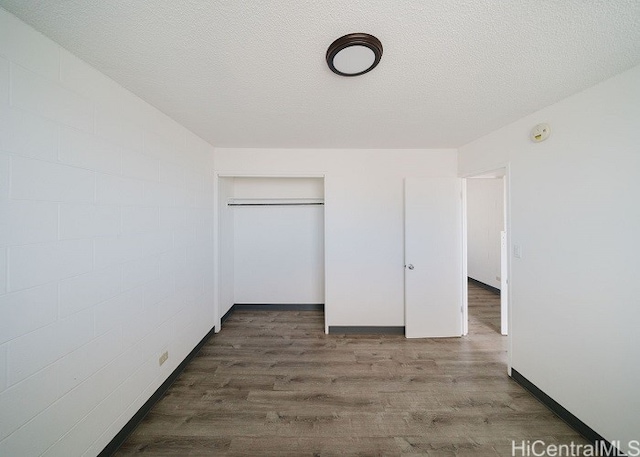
(354, 39)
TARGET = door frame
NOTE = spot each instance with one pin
(217, 176)
(505, 308)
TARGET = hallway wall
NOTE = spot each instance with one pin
(485, 221)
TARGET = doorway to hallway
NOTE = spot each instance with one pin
(486, 263)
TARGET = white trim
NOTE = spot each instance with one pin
(216, 253)
(226, 174)
(324, 242)
(507, 229)
(465, 273)
(500, 170)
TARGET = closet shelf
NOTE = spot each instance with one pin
(275, 202)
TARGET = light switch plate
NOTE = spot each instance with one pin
(517, 251)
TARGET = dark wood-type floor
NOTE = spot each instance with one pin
(271, 383)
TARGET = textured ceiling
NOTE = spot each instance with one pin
(251, 73)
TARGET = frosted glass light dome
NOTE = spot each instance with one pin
(354, 54)
(354, 59)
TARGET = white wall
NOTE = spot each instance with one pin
(364, 221)
(575, 214)
(105, 248)
(225, 251)
(485, 221)
(270, 187)
(279, 254)
(278, 250)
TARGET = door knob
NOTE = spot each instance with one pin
(410, 266)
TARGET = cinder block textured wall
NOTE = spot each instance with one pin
(106, 230)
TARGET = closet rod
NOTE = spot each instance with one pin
(275, 204)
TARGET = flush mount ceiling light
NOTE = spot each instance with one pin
(354, 54)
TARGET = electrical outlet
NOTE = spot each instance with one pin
(163, 358)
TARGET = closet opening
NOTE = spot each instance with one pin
(270, 243)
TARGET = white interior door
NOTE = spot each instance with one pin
(433, 257)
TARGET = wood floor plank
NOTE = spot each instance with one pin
(271, 383)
